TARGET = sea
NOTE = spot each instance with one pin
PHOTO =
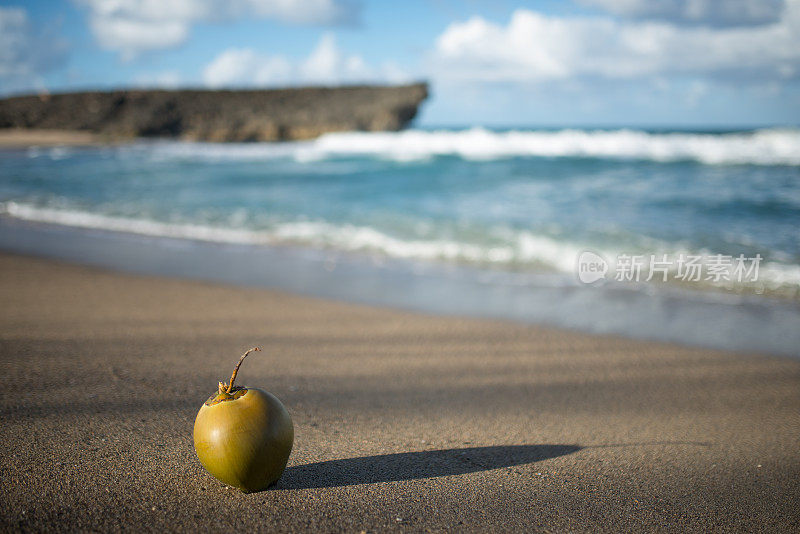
(496, 223)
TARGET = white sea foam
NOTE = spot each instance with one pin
(522, 248)
(761, 147)
(98, 221)
(508, 248)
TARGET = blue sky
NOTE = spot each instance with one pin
(587, 62)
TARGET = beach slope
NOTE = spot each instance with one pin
(402, 421)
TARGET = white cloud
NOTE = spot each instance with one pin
(718, 13)
(25, 55)
(168, 79)
(131, 27)
(325, 65)
(243, 66)
(536, 48)
(394, 73)
(130, 36)
(324, 60)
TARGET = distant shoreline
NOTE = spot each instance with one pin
(444, 290)
(28, 137)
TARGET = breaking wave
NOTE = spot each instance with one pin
(772, 146)
(502, 248)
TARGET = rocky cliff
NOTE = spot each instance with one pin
(252, 115)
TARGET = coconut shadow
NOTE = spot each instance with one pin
(415, 465)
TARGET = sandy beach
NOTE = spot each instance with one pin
(402, 421)
(26, 138)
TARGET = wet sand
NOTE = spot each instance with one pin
(402, 421)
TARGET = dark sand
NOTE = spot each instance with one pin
(402, 421)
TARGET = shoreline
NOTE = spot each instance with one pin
(29, 138)
(712, 320)
(403, 421)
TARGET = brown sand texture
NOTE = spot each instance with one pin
(403, 422)
(24, 138)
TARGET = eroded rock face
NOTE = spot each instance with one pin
(253, 115)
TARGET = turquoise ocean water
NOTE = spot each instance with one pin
(516, 206)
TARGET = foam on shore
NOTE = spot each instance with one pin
(508, 249)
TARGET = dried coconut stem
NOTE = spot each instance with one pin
(236, 369)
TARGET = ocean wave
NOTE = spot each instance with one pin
(526, 248)
(514, 249)
(773, 146)
(98, 221)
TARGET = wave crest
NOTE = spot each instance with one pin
(760, 147)
(510, 249)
